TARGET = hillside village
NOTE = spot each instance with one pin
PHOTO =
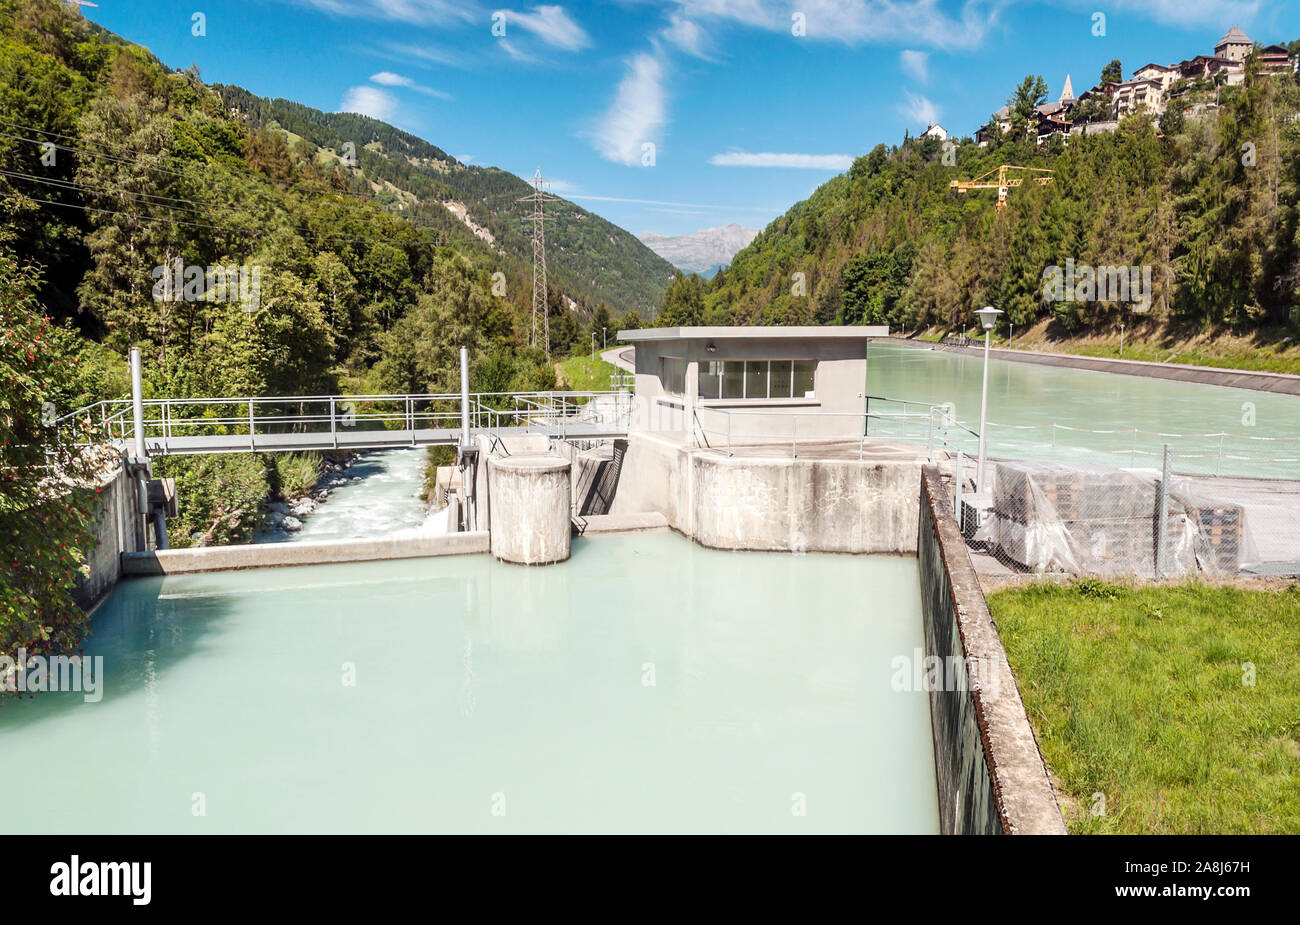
(1193, 84)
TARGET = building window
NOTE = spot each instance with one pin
(672, 373)
(757, 379)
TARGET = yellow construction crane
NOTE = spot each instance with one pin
(1003, 178)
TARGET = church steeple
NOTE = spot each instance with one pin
(1068, 92)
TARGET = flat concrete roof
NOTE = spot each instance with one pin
(747, 332)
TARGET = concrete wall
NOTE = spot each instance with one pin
(531, 508)
(267, 555)
(118, 529)
(991, 776)
(797, 505)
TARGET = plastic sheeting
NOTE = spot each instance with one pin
(1088, 519)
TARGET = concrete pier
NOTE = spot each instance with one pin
(530, 508)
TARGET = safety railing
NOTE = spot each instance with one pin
(259, 417)
(729, 428)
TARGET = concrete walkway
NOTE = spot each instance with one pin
(1284, 383)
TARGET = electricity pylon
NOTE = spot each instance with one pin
(538, 197)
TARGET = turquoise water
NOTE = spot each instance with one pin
(646, 685)
(1025, 394)
(385, 501)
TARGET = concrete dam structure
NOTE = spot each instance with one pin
(537, 500)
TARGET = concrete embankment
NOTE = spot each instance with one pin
(991, 775)
(773, 502)
(268, 555)
(118, 529)
(1284, 383)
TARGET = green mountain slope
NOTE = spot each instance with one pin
(1207, 199)
(590, 259)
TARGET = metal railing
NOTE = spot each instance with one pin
(930, 424)
(267, 416)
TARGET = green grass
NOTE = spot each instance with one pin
(1140, 694)
(296, 474)
(582, 374)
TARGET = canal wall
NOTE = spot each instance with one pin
(118, 529)
(772, 503)
(269, 555)
(991, 775)
(1284, 383)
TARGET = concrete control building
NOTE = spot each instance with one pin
(751, 382)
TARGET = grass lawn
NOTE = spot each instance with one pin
(1144, 695)
(583, 374)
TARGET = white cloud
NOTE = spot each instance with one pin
(415, 12)
(464, 158)
(416, 54)
(1217, 13)
(923, 22)
(770, 159)
(916, 64)
(559, 186)
(553, 26)
(918, 109)
(389, 79)
(514, 51)
(686, 35)
(369, 101)
(636, 116)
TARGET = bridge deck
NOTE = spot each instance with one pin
(346, 439)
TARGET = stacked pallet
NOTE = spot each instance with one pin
(1096, 520)
(1220, 536)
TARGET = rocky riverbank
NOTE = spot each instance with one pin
(284, 518)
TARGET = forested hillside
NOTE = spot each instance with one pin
(117, 174)
(1209, 203)
(589, 259)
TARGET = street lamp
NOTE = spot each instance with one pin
(988, 316)
(1121, 339)
(593, 345)
(604, 338)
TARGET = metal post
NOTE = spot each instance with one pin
(794, 437)
(137, 402)
(984, 407)
(1218, 466)
(930, 440)
(728, 413)
(251, 442)
(1132, 457)
(334, 431)
(1162, 525)
(464, 396)
(961, 458)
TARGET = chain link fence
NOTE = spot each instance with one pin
(1092, 519)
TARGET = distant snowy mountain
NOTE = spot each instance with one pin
(703, 252)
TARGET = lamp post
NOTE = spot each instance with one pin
(988, 316)
(604, 338)
(1121, 339)
(593, 345)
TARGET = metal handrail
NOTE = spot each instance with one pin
(235, 416)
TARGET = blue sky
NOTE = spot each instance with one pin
(745, 116)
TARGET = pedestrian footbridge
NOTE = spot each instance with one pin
(190, 426)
